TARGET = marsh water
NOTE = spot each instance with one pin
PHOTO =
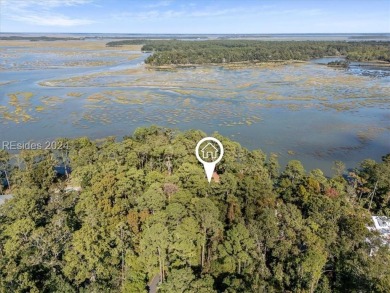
(306, 111)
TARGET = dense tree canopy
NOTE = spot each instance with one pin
(227, 51)
(146, 210)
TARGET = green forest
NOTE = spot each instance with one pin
(145, 209)
(176, 52)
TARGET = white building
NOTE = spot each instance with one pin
(382, 225)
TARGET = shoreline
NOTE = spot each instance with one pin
(228, 65)
(378, 63)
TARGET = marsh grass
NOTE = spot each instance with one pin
(19, 109)
(369, 134)
(75, 94)
(233, 95)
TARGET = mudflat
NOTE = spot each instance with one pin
(304, 110)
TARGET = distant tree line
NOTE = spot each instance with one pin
(166, 52)
(147, 210)
(40, 38)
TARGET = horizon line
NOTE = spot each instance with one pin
(307, 33)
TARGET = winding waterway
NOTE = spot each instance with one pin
(304, 111)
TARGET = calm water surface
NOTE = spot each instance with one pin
(304, 111)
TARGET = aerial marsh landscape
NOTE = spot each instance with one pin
(302, 109)
(171, 146)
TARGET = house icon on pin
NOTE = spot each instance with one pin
(209, 152)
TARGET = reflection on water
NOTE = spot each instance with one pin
(304, 111)
(378, 70)
(369, 70)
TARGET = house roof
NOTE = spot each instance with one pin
(382, 224)
(216, 177)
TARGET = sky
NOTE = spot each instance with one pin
(195, 17)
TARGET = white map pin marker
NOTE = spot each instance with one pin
(209, 151)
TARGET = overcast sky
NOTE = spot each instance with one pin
(186, 16)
